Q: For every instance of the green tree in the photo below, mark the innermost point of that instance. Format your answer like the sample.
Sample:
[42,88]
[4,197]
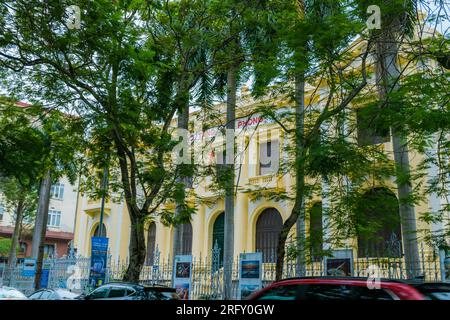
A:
[398,18]
[5,246]
[117,76]
[315,35]
[21,202]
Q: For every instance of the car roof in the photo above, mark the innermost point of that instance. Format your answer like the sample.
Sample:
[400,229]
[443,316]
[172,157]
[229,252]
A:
[124,284]
[338,278]
[9,288]
[155,287]
[349,278]
[65,293]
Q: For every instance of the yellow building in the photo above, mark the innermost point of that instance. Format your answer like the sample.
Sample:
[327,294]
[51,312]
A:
[257,221]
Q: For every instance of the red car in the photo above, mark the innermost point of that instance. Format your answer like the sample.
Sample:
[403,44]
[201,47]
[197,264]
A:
[337,288]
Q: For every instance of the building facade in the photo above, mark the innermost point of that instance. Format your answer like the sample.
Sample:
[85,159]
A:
[262,148]
[257,220]
[60,223]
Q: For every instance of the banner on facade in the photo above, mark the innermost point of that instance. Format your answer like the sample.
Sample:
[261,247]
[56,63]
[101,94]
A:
[340,264]
[182,275]
[99,261]
[29,267]
[250,273]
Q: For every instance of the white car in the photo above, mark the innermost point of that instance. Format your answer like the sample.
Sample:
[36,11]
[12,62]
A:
[53,294]
[8,293]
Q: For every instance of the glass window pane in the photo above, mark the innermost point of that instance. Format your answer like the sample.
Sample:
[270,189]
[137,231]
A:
[280,293]
[268,157]
[117,292]
[99,293]
[61,192]
[45,295]
[36,295]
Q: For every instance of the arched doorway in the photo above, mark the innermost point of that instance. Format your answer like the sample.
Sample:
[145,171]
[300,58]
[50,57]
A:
[151,243]
[268,229]
[185,247]
[378,224]
[316,231]
[219,236]
[97,231]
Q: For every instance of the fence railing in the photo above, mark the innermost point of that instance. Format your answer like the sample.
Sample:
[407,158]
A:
[207,278]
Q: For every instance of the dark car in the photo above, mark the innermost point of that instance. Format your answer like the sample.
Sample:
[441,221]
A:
[338,288]
[130,291]
[433,290]
[53,294]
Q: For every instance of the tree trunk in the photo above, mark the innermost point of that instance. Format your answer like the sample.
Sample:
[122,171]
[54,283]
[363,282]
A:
[297,214]
[387,78]
[300,181]
[40,226]
[16,234]
[183,123]
[136,249]
[15,240]
[228,250]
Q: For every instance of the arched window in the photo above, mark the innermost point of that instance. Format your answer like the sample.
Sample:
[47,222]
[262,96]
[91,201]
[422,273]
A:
[151,242]
[316,231]
[268,229]
[219,235]
[378,224]
[186,239]
[97,231]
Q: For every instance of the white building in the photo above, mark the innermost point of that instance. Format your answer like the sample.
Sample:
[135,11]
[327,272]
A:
[60,223]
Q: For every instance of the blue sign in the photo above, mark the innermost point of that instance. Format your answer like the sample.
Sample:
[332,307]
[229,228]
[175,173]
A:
[29,267]
[44,278]
[99,259]
[45,274]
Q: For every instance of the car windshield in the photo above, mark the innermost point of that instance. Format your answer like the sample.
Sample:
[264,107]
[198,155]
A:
[11,293]
[435,291]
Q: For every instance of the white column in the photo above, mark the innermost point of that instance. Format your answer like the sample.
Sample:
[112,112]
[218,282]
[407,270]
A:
[325,219]
[119,229]
[325,199]
[437,227]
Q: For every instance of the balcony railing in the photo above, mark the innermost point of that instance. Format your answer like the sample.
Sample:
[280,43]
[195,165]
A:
[93,207]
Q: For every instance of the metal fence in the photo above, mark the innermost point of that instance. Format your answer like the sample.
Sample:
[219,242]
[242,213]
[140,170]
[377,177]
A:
[207,274]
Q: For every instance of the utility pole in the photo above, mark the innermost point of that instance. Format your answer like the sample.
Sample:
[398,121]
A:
[105,182]
[72,249]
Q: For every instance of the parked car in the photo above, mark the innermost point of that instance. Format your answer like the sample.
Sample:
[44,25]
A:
[337,288]
[8,293]
[53,294]
[433,290]
[130,291]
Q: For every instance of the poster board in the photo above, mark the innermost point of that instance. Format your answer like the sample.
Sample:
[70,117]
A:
[340,264]
[250,274]
[99,261]
[45,274]
[182,276]
[29,267]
